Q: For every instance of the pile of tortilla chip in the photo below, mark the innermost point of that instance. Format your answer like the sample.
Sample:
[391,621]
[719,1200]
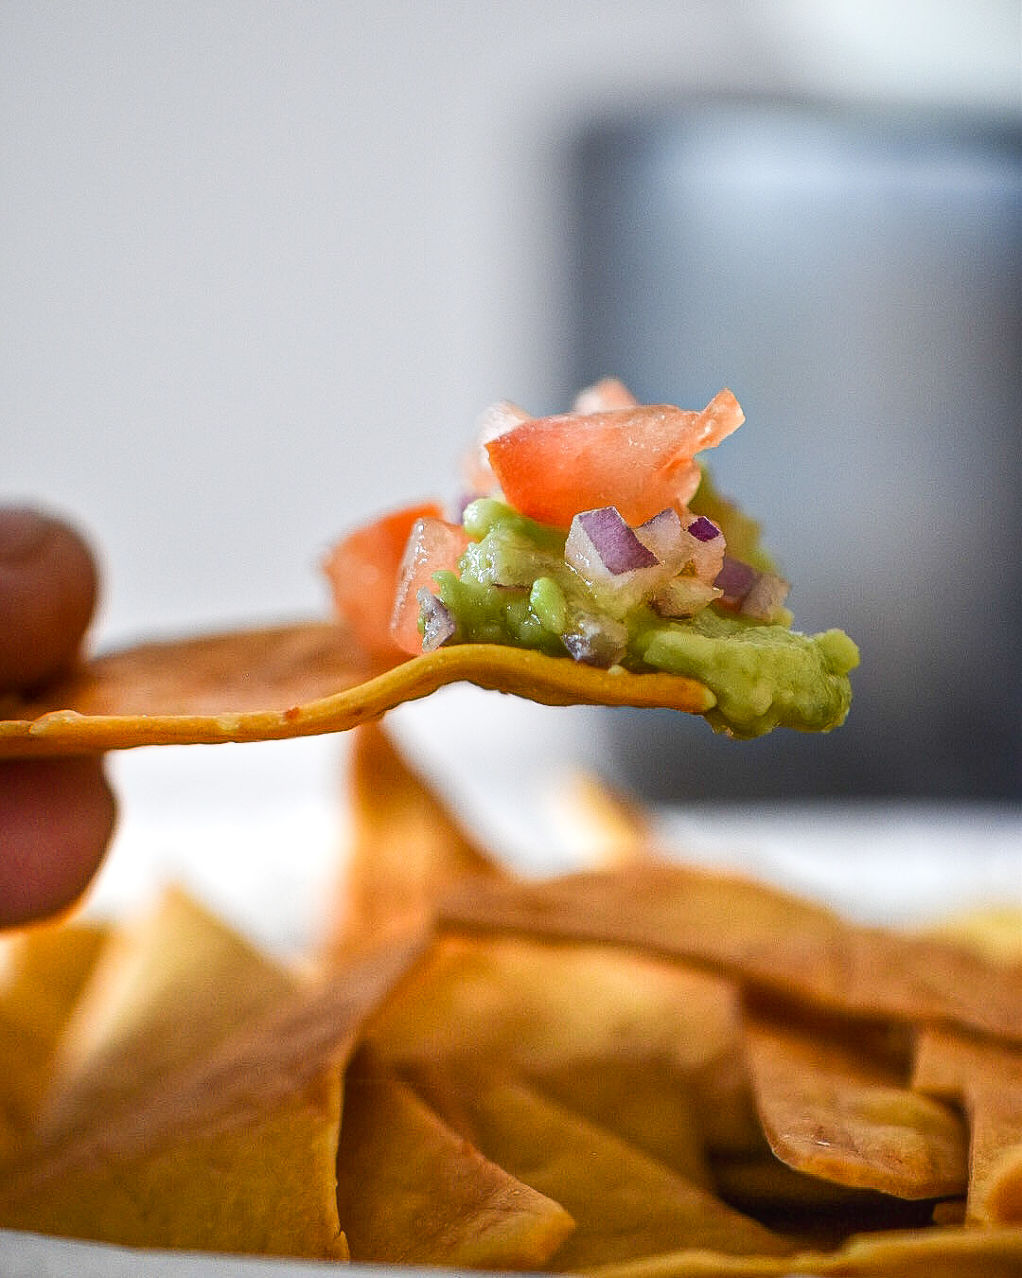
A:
[637,1069]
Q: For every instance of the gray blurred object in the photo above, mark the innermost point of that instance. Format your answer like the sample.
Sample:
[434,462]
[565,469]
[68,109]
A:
[855,279]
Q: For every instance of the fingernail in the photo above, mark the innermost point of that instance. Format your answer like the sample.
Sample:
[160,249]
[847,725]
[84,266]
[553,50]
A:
[22,532]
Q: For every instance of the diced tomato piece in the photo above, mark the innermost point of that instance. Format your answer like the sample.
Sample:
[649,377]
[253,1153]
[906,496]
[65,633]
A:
[433,545]
[638,459]
[363,570]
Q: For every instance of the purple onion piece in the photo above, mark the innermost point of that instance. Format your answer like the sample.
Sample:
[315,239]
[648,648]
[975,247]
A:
[736,579]
[703,529]
[613,541]
[596,642]
[437,620]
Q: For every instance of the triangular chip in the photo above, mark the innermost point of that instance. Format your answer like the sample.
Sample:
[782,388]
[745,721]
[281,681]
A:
[995,931]
[42,974]
[189,1166]
[293,681]
[986,1077]
[831,1110]
[406,847]
[411,1191]
[169,987]
[602,826]
[625,1203]
[767,938]
[919,1253]
[540,1007]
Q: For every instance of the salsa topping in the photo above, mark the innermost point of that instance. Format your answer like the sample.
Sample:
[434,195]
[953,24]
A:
[596,536]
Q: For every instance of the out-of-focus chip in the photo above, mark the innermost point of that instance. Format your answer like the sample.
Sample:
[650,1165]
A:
[168,988]
[293,681]
[987,1078]
[767,938]
[995,931]
[239,1155]
[41,976]
[601,826]
[625,1204]
[412,1191]
[406,847]
[508,1002]
[919,1253]
[833,1111]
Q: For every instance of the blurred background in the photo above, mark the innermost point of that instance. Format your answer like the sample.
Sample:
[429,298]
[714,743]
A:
[263,264]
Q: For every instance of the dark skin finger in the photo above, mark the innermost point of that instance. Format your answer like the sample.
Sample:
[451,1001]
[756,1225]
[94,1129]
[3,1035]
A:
[56,815]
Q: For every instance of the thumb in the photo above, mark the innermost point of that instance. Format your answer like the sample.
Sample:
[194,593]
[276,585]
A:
[56,815]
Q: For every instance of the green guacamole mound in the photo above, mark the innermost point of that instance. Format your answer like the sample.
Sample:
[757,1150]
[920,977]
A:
[514,587]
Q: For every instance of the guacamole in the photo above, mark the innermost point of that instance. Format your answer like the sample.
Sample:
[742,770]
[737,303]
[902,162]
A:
[513,586]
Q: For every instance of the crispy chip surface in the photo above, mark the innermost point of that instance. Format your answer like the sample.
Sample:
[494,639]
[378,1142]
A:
[290,681]
[239,1154]
[45,969]
[406,847]
[832,1110]
[625,1203]
[987,1078]
[412,1191]
[769,939]
[164,993]
[542,1007]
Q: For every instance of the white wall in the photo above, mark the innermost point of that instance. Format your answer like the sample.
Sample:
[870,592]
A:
[261,263]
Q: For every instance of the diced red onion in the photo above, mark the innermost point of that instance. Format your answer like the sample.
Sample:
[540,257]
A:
[610,558]
[684,597]
[664,536]
[752,593]
[735,579]
[703,529]
[438,621]
[596,641]
[766,597]
[616,544]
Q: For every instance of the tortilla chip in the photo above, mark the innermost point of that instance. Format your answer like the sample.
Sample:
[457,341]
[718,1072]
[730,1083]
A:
[602,826]
[986,1077]
[833,1111]
[406,847]
[44,970]
[625,1204]
[168,988]
[648,1103]
[768,939]
[995,931]
[931,1253]
[192,1165]
[541,1007]
[291,681]
[412,1191]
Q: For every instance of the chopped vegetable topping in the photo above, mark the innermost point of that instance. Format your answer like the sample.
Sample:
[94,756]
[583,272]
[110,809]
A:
[596,536]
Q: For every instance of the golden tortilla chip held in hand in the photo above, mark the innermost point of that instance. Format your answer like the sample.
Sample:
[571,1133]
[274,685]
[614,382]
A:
[291,681]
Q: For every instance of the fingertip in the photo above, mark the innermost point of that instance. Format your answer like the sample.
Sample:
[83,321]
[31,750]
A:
[48,589]
[56,820]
